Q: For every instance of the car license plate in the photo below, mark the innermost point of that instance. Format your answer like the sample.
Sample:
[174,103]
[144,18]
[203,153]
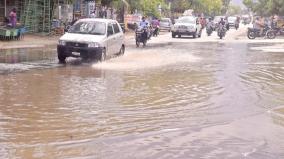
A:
[76,53]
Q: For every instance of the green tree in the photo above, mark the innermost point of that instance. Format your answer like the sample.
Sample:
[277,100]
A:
[265,7]
[234,10]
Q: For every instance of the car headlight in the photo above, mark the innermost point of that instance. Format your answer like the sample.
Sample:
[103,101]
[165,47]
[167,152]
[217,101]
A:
[94,44]
[61,42]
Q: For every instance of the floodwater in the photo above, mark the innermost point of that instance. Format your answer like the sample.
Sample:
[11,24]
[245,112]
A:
[182,100]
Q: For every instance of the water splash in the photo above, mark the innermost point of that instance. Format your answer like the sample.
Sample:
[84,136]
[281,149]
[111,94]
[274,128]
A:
[146,59]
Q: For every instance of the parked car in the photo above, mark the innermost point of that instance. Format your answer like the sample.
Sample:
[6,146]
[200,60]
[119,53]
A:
[232,21]
[188,25]
[92,39]
[166,24]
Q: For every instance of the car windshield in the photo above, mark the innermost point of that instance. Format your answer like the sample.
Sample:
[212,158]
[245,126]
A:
[89,27]
[186,20]
[164,20]
[232,19]
[217,19]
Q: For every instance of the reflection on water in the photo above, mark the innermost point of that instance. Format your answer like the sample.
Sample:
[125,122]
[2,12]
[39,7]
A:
[27,54]
[183,102]
[23,59]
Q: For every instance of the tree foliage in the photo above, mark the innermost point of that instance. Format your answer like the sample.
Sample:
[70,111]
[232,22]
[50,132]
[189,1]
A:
[234,10]
[151,7]
[265,7]
[209,7]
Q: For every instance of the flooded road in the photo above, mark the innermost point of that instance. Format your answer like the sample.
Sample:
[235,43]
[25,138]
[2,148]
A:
[178,100]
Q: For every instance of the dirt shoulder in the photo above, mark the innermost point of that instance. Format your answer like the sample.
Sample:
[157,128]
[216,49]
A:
[38,41]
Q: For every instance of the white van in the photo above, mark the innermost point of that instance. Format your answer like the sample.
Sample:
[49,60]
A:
[92,39]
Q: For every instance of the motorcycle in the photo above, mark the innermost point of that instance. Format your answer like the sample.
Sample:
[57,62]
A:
[278,31]
[209,30]
[156,31]
[237,25]
[141,36]
[267,32]
[221,31]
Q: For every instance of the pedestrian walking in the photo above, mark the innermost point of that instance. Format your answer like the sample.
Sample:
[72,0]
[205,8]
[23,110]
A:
[13,18]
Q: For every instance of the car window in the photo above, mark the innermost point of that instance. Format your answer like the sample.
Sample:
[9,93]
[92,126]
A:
[116,28]
[109,30]
[232,18]
[88,27]
[191,20]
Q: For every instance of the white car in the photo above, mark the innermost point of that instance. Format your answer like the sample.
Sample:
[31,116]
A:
[232,21]
[187,25]
[92,39]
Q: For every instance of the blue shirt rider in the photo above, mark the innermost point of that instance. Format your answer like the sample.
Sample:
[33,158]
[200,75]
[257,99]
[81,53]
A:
[143,23]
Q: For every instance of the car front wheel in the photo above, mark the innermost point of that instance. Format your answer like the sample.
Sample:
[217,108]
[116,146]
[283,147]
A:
[62,58]
[194,35]
[122,50]
[102,55]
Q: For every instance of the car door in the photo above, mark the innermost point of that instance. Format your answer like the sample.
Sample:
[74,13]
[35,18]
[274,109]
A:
[110,39]
[118,36]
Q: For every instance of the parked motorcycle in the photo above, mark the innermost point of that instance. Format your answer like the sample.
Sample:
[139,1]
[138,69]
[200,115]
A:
[141,36]
[221,31]
[267,32]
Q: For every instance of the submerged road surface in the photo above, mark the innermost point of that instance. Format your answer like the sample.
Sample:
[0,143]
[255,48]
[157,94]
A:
[176,98]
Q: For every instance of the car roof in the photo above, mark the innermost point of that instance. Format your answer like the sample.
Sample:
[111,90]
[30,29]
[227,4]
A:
[97,20]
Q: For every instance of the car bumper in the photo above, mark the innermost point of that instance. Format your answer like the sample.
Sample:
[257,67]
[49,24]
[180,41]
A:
[70,51]
[179,32]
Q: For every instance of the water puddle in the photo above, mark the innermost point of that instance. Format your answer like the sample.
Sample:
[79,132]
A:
[277,115]
[19,55]
[23,59]
[273,49]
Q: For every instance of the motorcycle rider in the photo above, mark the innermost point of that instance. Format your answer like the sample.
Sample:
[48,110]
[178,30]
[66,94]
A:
[222,26]
[222,22]
[258,25]
[227,23]
[144,25]
[210,24]
[237,22]
[156,26]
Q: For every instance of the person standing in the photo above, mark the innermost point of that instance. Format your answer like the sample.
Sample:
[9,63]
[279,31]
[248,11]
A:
[13,17]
